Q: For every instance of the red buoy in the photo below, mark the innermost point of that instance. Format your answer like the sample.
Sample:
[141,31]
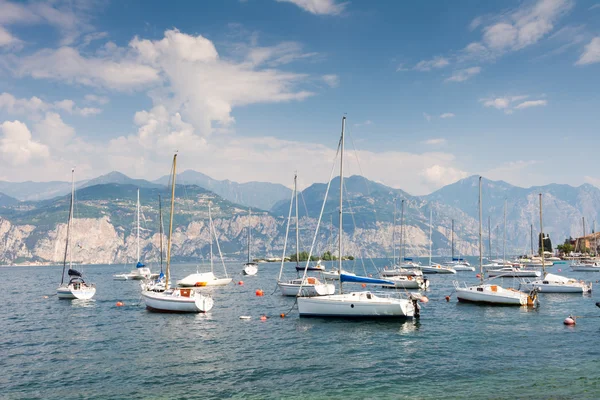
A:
[120,304]
[364,285]
[282,315]
[259,292]
[447,298]
[263,318]
[569,321]
[241,283]
[478,276]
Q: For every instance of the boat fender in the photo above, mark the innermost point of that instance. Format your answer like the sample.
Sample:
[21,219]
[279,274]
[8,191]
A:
[410,278]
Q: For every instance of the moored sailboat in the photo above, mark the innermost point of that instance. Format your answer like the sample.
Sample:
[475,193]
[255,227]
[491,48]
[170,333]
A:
[250,268]
[180,300]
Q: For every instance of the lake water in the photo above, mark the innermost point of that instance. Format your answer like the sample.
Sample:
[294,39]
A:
[76,349]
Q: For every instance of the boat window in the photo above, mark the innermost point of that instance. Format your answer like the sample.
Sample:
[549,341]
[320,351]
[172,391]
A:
[480,289]
[545,282]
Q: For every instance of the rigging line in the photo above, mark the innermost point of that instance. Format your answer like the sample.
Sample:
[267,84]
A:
[287,231]
[218,247]
[361,249]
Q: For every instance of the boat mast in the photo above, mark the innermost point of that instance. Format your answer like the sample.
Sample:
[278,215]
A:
[341,201]
[430,233]
[210,228]
[249,232]
[160,228]
[542,238]
[297,222]
[167,275]
[595,241]
[394,235]
[402,233]
[67,247]
[531,234]
[480,237]
[138,226]
[504,237]
[452,240]
[490,236]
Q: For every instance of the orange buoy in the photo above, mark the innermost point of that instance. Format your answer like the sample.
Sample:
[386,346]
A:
[282,315]
[478,276]
[241,283]
[447,298]
[424,299]
[263,318]
[364,285]
[120,304]
[259,292]
[569,321]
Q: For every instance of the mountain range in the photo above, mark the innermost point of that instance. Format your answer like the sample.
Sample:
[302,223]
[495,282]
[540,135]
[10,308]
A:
[34,230]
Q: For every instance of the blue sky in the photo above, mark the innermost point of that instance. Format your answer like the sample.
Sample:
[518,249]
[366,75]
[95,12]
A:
[254,90]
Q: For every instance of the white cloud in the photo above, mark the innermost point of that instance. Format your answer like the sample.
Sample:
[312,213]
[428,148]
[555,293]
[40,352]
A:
[439,175]
[319,7]
[273,56]
[331,80]
[366,123]
[447,115]
[507,103]
[17,147]
[32,107]
[428,65]
[511,171]
[594,7]
[401,67]
[53,131]
[463,74]
[427,117]
[92,98]
[531,103]
[7,40]
[591,54]
[435,142]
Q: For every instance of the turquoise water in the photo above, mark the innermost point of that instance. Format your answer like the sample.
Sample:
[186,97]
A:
[75,349]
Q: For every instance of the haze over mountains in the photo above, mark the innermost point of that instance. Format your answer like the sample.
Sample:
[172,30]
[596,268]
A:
[32,230]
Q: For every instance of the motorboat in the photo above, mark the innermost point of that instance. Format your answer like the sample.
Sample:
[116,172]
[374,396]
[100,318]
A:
[437,269]
[513,272]
[309,286]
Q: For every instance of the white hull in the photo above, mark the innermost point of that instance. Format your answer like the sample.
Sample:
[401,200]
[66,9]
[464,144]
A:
[70,292]
[356,305]
[494,295]
[294,288]
[401,272]
[513,273]
[202,280]
[437,269]
[137,274]
[407,282]
[461,267]
[585,268]
[178,301]
[250,269]
[557,284]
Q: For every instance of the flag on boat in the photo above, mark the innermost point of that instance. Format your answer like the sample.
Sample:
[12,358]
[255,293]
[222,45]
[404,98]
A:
[364,279]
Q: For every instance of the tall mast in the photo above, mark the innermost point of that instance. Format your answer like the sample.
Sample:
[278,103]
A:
[71,217]
[138,226]
[402,232]
[531,234]
[490,236]
[504,237]
[160,228]
[430,233]
[210,228]
[480,237]
[542,238]
[452,240]
[67,247]
[167,275]
[341,201]
[394,235]
[249,232]
[595,240]
[297,221]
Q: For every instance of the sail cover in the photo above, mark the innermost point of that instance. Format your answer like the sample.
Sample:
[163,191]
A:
[458,259]
[364,279]
[140,265]
[73,272]
[408,259]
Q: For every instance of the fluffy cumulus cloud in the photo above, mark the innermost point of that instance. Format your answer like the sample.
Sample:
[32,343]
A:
[33,106]
[510,103]
[319,7]
[591,53]
[331,80]
[436,175]
[17,147]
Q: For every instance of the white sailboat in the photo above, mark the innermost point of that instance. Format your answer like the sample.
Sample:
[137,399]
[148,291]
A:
[158,284]
[307,285]
[250,268]
[76,287]
[362,304]
[178,300]
[201,279]
[434,268]
[141,271]
[486,293]
[457,263]
[551,283]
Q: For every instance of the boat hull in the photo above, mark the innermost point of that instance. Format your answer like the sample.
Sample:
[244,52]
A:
[306,290]
[410,283]
[250,269]
[514,274]
[202,280]
[69,292]
[178,301]
[437,269]
[356,305]
[491,296]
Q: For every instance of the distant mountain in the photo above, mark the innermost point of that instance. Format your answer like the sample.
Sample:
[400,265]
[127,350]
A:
[117,177]
[262,195]
[34,190]
[7,200]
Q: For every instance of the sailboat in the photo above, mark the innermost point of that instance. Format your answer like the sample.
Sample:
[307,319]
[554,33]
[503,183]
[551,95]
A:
[406,268]
[307,285]
[457,263]
[176,299]
[158,284]
[201,279]
[434,268]
[141,271]
[250,268]
[363,304]
[486,293]
[551,283]
[76,287]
